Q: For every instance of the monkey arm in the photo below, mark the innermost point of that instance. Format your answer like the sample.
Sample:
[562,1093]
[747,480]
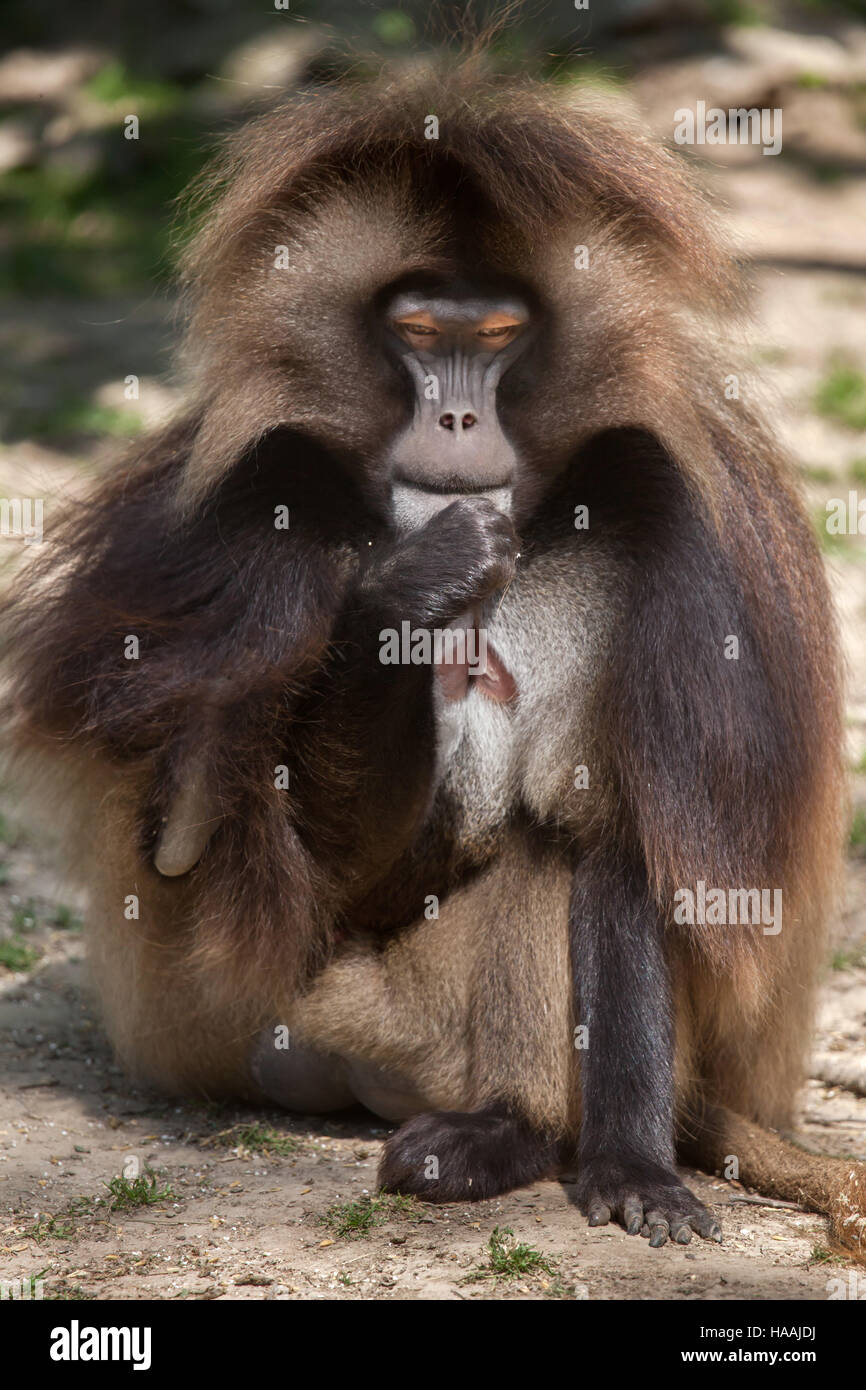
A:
[623,998]
[362,741]
[361,753]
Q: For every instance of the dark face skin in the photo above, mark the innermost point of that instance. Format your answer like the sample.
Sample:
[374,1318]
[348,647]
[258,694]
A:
[456,348]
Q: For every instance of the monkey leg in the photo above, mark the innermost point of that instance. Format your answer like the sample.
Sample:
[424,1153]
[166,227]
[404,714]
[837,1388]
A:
[298,1078]
[624,995]
[463,1023]
[301,1079]
[454,1156]
[171,1018]
[168,1021]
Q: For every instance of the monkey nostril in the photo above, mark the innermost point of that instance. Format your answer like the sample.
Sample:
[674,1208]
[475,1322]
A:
[469,420]
[447,421]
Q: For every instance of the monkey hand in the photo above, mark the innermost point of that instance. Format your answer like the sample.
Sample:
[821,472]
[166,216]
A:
[460,557]
[644,1197]
[478,1154]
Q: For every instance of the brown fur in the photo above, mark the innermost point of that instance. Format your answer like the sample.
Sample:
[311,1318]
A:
[477,1005]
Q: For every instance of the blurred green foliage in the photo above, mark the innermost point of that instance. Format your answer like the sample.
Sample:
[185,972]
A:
[104,225]
[841,395]
[113,85]
[74,420]
[394,27]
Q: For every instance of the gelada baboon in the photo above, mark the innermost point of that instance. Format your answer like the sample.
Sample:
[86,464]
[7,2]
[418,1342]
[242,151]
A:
[452,380]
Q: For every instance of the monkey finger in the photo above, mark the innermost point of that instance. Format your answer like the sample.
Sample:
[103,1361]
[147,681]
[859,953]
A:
[681,1231]
[598,1214]
[632,1214]
[705,1224]
[659,1228]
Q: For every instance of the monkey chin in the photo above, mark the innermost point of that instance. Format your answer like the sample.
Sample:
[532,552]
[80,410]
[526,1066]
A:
[414,506]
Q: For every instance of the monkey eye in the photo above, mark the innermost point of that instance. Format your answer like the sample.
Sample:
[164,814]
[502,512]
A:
[413,330]
[498,332]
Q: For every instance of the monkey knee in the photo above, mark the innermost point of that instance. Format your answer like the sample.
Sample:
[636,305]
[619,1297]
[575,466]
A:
[297,1078]
[388,1094]
[300,1078]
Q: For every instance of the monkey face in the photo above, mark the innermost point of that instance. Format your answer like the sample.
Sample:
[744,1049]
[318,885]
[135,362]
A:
[455,346]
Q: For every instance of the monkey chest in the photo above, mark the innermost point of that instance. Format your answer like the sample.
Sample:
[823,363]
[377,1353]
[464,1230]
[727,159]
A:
[551,634]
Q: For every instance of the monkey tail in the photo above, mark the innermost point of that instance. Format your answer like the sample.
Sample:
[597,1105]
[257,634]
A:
[833,1187]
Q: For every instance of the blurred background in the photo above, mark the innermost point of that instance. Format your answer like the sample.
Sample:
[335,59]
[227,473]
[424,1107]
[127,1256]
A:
[87,226]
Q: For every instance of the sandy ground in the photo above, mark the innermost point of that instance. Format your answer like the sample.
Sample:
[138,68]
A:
[244,1222]
[239,1223]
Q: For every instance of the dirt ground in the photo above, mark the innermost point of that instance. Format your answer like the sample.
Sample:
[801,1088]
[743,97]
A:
[242,1223]
[250,1202]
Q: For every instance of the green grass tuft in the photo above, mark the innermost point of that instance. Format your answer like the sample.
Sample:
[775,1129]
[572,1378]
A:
[258,1139]
[143,1191]
[850,958]
[357,1219]
[508,1258]
[24,916]
[17,956]
[65,918]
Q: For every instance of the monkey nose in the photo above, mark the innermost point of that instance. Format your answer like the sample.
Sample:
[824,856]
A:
[448,421]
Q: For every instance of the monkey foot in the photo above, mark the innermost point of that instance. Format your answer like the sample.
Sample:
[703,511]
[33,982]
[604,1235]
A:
[645,1198]
[452,1156]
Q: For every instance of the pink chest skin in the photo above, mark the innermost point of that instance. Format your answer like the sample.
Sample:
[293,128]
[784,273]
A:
[457,678]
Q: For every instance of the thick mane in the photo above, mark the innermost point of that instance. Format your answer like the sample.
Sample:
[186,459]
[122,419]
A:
[345,185]
[540,157]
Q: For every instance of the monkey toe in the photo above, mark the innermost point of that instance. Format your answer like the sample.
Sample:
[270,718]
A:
[645,1199]
[452,1156]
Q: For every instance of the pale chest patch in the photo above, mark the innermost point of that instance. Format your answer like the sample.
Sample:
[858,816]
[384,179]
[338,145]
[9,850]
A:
[550,635]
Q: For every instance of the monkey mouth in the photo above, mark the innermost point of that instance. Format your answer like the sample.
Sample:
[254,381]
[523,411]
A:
[414,504]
